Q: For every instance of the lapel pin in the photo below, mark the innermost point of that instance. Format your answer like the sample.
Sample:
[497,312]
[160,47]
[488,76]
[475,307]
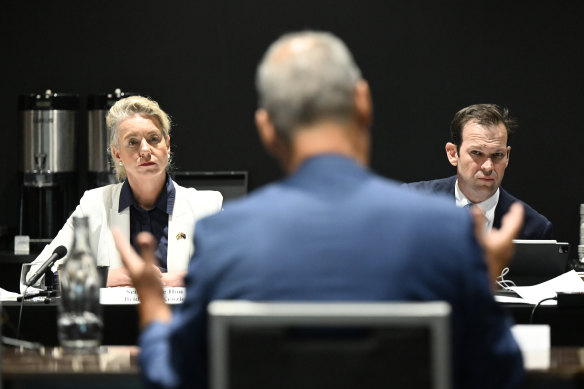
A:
[181,235]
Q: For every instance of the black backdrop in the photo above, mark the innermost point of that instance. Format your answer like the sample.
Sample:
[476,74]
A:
[423,59]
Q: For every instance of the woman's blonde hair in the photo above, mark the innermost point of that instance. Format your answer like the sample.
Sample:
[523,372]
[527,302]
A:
[126,108]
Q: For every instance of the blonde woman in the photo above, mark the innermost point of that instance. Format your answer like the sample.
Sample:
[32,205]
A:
[146,199]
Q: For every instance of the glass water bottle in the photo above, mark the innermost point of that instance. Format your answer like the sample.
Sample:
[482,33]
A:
[80,322]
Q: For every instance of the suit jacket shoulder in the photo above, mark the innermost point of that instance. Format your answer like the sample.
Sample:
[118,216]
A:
[95,204]
[535,225]
[442,185]
[199,202]
[190,205]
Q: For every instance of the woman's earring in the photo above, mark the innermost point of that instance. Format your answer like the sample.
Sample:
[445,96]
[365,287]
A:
[120,163]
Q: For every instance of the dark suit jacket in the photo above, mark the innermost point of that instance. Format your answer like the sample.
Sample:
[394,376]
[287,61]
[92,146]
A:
[333,231]
[535,225]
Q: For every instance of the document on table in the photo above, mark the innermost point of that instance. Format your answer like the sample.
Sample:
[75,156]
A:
[32,294]
[8,296]
[567,282]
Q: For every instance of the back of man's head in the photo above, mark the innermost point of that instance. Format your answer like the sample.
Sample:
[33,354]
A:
[305,77]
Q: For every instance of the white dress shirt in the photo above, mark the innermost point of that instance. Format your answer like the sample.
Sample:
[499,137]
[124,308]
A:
[487,207]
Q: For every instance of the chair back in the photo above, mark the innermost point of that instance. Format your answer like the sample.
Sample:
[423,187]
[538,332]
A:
[307,345]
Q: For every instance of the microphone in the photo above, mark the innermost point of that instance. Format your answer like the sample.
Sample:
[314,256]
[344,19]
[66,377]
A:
[58,253]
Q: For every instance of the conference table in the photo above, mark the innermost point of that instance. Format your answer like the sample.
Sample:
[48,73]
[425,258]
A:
[117,362]
[566,323]
[117,366]
[109,367]
[39,322]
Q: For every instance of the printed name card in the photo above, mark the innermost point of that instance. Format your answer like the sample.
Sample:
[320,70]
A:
[125,295]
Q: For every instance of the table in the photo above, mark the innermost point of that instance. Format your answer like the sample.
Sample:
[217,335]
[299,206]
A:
[566,370]
[39,323]
[566,324]
[117,366]
[111,366]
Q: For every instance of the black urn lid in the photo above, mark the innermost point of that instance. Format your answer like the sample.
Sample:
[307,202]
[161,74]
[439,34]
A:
[48,101]
[106,100]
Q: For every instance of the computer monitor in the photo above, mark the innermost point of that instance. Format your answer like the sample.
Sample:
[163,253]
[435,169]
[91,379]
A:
[320,345]
[536,261]
[231,184]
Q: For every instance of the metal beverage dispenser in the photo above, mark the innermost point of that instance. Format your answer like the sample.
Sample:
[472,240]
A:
[48,166]
[100,164]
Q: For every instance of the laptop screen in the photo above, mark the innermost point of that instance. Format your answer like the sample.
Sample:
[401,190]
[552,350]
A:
[536,261]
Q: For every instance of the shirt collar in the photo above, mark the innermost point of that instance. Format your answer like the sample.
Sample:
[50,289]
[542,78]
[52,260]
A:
[164,202]
[487,206]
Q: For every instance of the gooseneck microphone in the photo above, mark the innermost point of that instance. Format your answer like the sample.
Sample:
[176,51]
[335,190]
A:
[58,253]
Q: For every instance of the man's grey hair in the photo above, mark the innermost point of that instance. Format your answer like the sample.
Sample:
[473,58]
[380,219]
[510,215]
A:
[301,88]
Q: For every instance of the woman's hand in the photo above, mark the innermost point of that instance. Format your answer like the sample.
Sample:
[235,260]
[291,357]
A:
[175,278]
[145,275]
[119,276]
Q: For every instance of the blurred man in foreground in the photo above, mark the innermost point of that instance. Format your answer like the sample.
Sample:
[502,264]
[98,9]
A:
[330,231]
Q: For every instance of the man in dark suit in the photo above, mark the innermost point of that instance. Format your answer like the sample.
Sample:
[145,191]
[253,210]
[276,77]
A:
[479,149]
[331,231]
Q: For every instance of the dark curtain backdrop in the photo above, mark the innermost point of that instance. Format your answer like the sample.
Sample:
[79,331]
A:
[423,59]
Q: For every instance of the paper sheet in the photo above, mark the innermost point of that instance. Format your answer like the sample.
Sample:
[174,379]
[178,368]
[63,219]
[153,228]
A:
[8,296]
[567,282]
[512,300]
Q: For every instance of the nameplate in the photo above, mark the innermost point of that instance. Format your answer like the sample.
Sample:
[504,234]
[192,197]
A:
[129,296]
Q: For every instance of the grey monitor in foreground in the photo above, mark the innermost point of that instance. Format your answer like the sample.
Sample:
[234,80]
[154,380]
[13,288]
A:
[329,345]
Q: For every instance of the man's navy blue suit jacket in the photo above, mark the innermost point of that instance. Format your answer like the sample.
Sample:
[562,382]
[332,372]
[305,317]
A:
[535,225]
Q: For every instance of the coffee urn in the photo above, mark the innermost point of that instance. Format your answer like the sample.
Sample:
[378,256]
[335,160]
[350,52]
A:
[100,164]
[48,167]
